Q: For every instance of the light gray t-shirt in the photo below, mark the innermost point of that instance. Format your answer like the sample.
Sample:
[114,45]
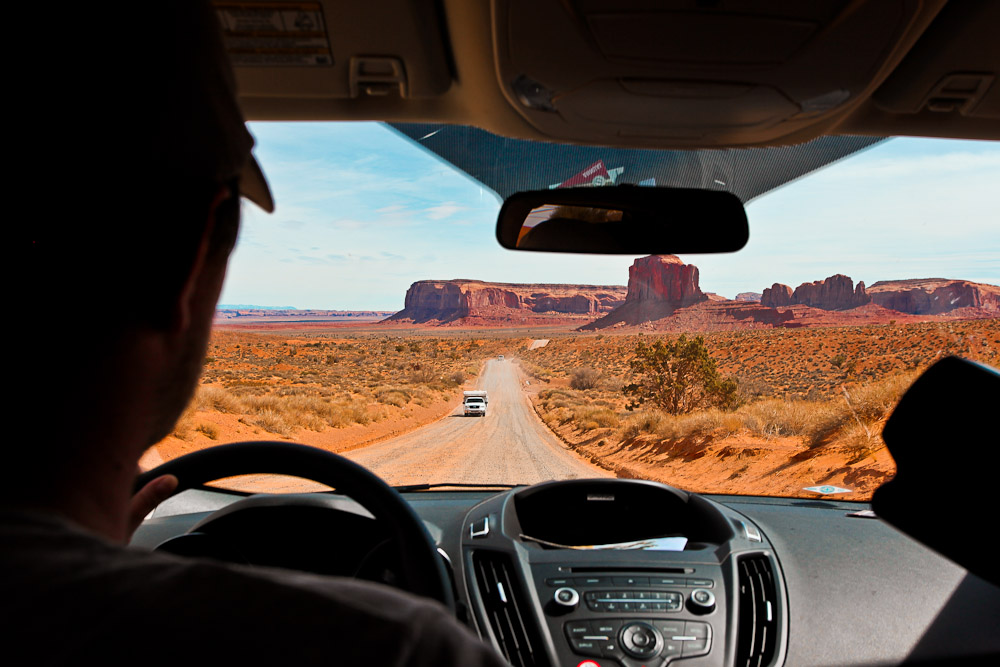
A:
[66,595]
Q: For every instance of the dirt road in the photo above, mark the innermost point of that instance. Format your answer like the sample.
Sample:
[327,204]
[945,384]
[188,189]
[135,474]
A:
[509,445]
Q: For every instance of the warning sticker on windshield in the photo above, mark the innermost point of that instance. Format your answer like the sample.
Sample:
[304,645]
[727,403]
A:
[287,34]
[826,489]
[595,175]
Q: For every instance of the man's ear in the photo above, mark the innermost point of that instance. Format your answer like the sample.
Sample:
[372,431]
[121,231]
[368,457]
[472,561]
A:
[190,290]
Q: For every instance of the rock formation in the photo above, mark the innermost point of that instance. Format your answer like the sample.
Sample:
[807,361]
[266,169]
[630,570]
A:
[776,295]
[657,286]
[446,301]
[663,279]
[932,296]
[835,293]
[663,294]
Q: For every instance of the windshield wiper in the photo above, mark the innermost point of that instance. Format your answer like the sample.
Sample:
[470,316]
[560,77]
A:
[461,485]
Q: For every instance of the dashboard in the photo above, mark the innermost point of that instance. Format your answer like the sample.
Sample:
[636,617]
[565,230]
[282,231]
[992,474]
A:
[728,580]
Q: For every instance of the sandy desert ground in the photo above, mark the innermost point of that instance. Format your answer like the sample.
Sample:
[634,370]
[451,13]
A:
[814,401]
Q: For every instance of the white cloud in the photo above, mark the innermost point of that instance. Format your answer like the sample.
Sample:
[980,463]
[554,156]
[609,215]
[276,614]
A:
[443,211]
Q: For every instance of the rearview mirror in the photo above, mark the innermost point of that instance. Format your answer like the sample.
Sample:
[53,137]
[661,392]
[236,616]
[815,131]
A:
[623,220]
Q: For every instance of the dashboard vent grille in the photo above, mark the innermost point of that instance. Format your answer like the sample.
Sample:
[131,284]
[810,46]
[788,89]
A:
[506,607]
[757,638]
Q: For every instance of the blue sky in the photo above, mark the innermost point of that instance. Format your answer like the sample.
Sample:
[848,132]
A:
[362,213]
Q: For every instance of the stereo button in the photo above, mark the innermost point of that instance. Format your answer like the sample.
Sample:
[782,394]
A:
[592,581]
[666,581]
[586,647]
[699,640]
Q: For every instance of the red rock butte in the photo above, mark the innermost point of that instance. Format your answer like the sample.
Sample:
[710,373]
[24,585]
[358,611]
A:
[473,302]
[658,285]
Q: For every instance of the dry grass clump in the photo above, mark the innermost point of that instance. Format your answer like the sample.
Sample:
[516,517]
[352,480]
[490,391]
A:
[210,431]
[772,418]
[271,421]
[219,399]
[564,406]
[392,396]
[853,420]
[590,418]
[401,396]
[678,427]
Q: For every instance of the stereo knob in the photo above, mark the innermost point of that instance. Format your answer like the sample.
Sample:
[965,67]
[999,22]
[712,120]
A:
[702,601]
[566,597]
[641,640]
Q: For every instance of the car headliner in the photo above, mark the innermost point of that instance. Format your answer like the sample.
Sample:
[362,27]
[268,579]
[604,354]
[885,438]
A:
[458,58]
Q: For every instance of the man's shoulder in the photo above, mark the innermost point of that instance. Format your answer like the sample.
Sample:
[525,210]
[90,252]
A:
[101,593]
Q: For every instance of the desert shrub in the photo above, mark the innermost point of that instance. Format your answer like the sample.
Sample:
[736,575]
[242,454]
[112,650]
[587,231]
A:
[678,377]
[584,377]
[423,375]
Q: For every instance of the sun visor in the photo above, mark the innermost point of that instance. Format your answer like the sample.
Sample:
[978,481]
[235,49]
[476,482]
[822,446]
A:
[335,50]
[678,74]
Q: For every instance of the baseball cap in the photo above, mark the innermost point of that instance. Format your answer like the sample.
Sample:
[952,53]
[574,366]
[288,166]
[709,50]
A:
[199,129]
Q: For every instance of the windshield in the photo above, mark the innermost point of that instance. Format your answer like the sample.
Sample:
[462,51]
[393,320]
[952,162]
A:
[375,303]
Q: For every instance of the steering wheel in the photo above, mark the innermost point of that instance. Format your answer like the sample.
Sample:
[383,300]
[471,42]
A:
[423,573]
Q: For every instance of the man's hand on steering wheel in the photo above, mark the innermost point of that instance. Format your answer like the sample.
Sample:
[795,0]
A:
[146,500]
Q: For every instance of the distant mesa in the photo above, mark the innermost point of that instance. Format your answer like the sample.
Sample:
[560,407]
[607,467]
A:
[663,294]
[231,314]
[933,296]
[473,302]
[835,293]
[246,306]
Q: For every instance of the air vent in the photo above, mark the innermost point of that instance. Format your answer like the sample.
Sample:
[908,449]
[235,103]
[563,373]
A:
[506,608]
[757,641]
